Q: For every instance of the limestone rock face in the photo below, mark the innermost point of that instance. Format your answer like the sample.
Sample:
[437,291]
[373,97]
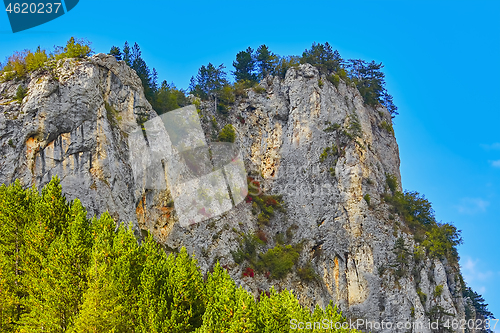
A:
[73,123]
[315,143]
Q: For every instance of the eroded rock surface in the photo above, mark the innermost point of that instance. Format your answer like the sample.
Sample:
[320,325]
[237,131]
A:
[75,121]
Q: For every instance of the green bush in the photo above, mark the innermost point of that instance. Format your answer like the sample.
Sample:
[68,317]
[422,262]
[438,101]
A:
[278,260]
[21,93]
[263,219]
[387,126]
[36,60]
[422,296]
[324,154]
[307,273]
[227,134]
[21,63]
[248,248]
[439,239]
[367,198]
[259,89]
[335,79]
[438,291]
[320,83]
[331,127]
[391,181]
[75,48]
[442,240]
[354,129]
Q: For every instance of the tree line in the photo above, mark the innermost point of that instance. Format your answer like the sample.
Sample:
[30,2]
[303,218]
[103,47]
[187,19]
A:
[63,272]
[211,81]
[250,67]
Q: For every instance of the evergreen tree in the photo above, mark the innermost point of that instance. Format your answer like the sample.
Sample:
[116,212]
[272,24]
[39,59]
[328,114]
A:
[115,51]
[245,66]
[62,280]
[265,61]
[221,290]
[323,57]
[110,302]
[14,214]
[127,57]
[209,81]
[186,294]
[153,298]
[277,310]
[244,314]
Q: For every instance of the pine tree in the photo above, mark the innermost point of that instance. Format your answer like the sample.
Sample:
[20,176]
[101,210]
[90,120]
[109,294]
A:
[221,302]
[245,66]
[62,280]
[115,51]
[244,318]
[209,81]
[186,294]
[127,57]
[153,298]
[14,214]
[265,61]
[276,310]
[110,302]
[323,57]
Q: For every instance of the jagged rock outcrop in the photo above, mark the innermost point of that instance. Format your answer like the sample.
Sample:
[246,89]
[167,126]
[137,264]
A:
[75,121]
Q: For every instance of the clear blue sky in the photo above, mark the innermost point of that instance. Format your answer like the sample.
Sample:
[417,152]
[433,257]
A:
[441,61]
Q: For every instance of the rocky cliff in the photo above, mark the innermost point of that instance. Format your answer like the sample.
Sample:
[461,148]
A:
[302,137]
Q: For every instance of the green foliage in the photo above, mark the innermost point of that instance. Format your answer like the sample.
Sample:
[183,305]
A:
[245,66]
[439,239]
[61,272]
[438,291]
[168,98]
[259,89]
[422,296]
[331,127]
[265,61]
[333,150]
[278,260]
[115,52]
[75,48]
[392,182]
[324,154]
[367,198]
[402,257]
[285,63]
[21,93]
[442,241]
[227,134]
[354,129]
[11,143]
[307,273]
[387,127]
[477,302]
[320,83]
[36,60]
[209,81]
[247,249]
[334,78]
[323,57]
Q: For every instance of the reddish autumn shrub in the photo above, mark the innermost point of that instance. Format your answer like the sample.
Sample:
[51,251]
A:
[262,235]
[270,201]
[248,272]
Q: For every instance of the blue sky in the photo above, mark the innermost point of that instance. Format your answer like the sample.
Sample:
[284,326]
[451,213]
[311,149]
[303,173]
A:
[441,63]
